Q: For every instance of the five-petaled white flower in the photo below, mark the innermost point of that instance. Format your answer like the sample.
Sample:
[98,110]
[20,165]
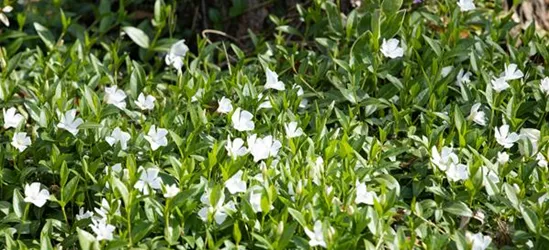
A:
[292,130]
[478,241]
[102,230]
[69,122]
[544,85]
[35,195]
[242,120]
[316,236]
[118,135]
[235,148]
[20,141]
[512,73]
[148,178]
[463,77]
[466,5]
[504,138]
[11,118]
[444,159]
[390,48]
[219,210]
[157,137]
[235,184]
[479,117]
[83,214]
[503,158]
[224,105]
[272,80]
[500,84]
[145,102]
[262,148]
[363,195]
[457,172]
[171,191]
[176,54]
[115,96]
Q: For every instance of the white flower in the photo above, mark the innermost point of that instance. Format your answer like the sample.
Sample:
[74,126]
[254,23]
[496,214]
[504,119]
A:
[466,5]
[235,148]
[444,159]
[69,123]
[11,118]
[544,85]
[457,172]
[145,102]
[115,96]
[35,195]
[219,211]
[118,135]
[242,120]
[148,178]
[503,158]
[363,195]
[235,184]
[176,54]
[478,241]
[504,138]
[499,84]
[390,48]
[262,148]
[511,72]
[171,191]
[157,137]
[102,230]
[316,236]
[198,95]
[542,162]
[444,72]
[463,77]
[20,141]
[83,214]
[272,80]
[225,105]
[479,117]
[292,130]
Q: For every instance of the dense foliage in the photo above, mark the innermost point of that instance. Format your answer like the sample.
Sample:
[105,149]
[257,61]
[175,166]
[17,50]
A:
[415,125]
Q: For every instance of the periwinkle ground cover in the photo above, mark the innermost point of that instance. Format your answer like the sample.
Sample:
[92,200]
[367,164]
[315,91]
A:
[397,125]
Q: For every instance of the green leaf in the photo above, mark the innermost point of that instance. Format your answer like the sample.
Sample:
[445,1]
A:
[18,203]
[45,34]
[86,240]
[390,7]
[458,208]
[70,189]
[138,36]
[298,217]
[530,218]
